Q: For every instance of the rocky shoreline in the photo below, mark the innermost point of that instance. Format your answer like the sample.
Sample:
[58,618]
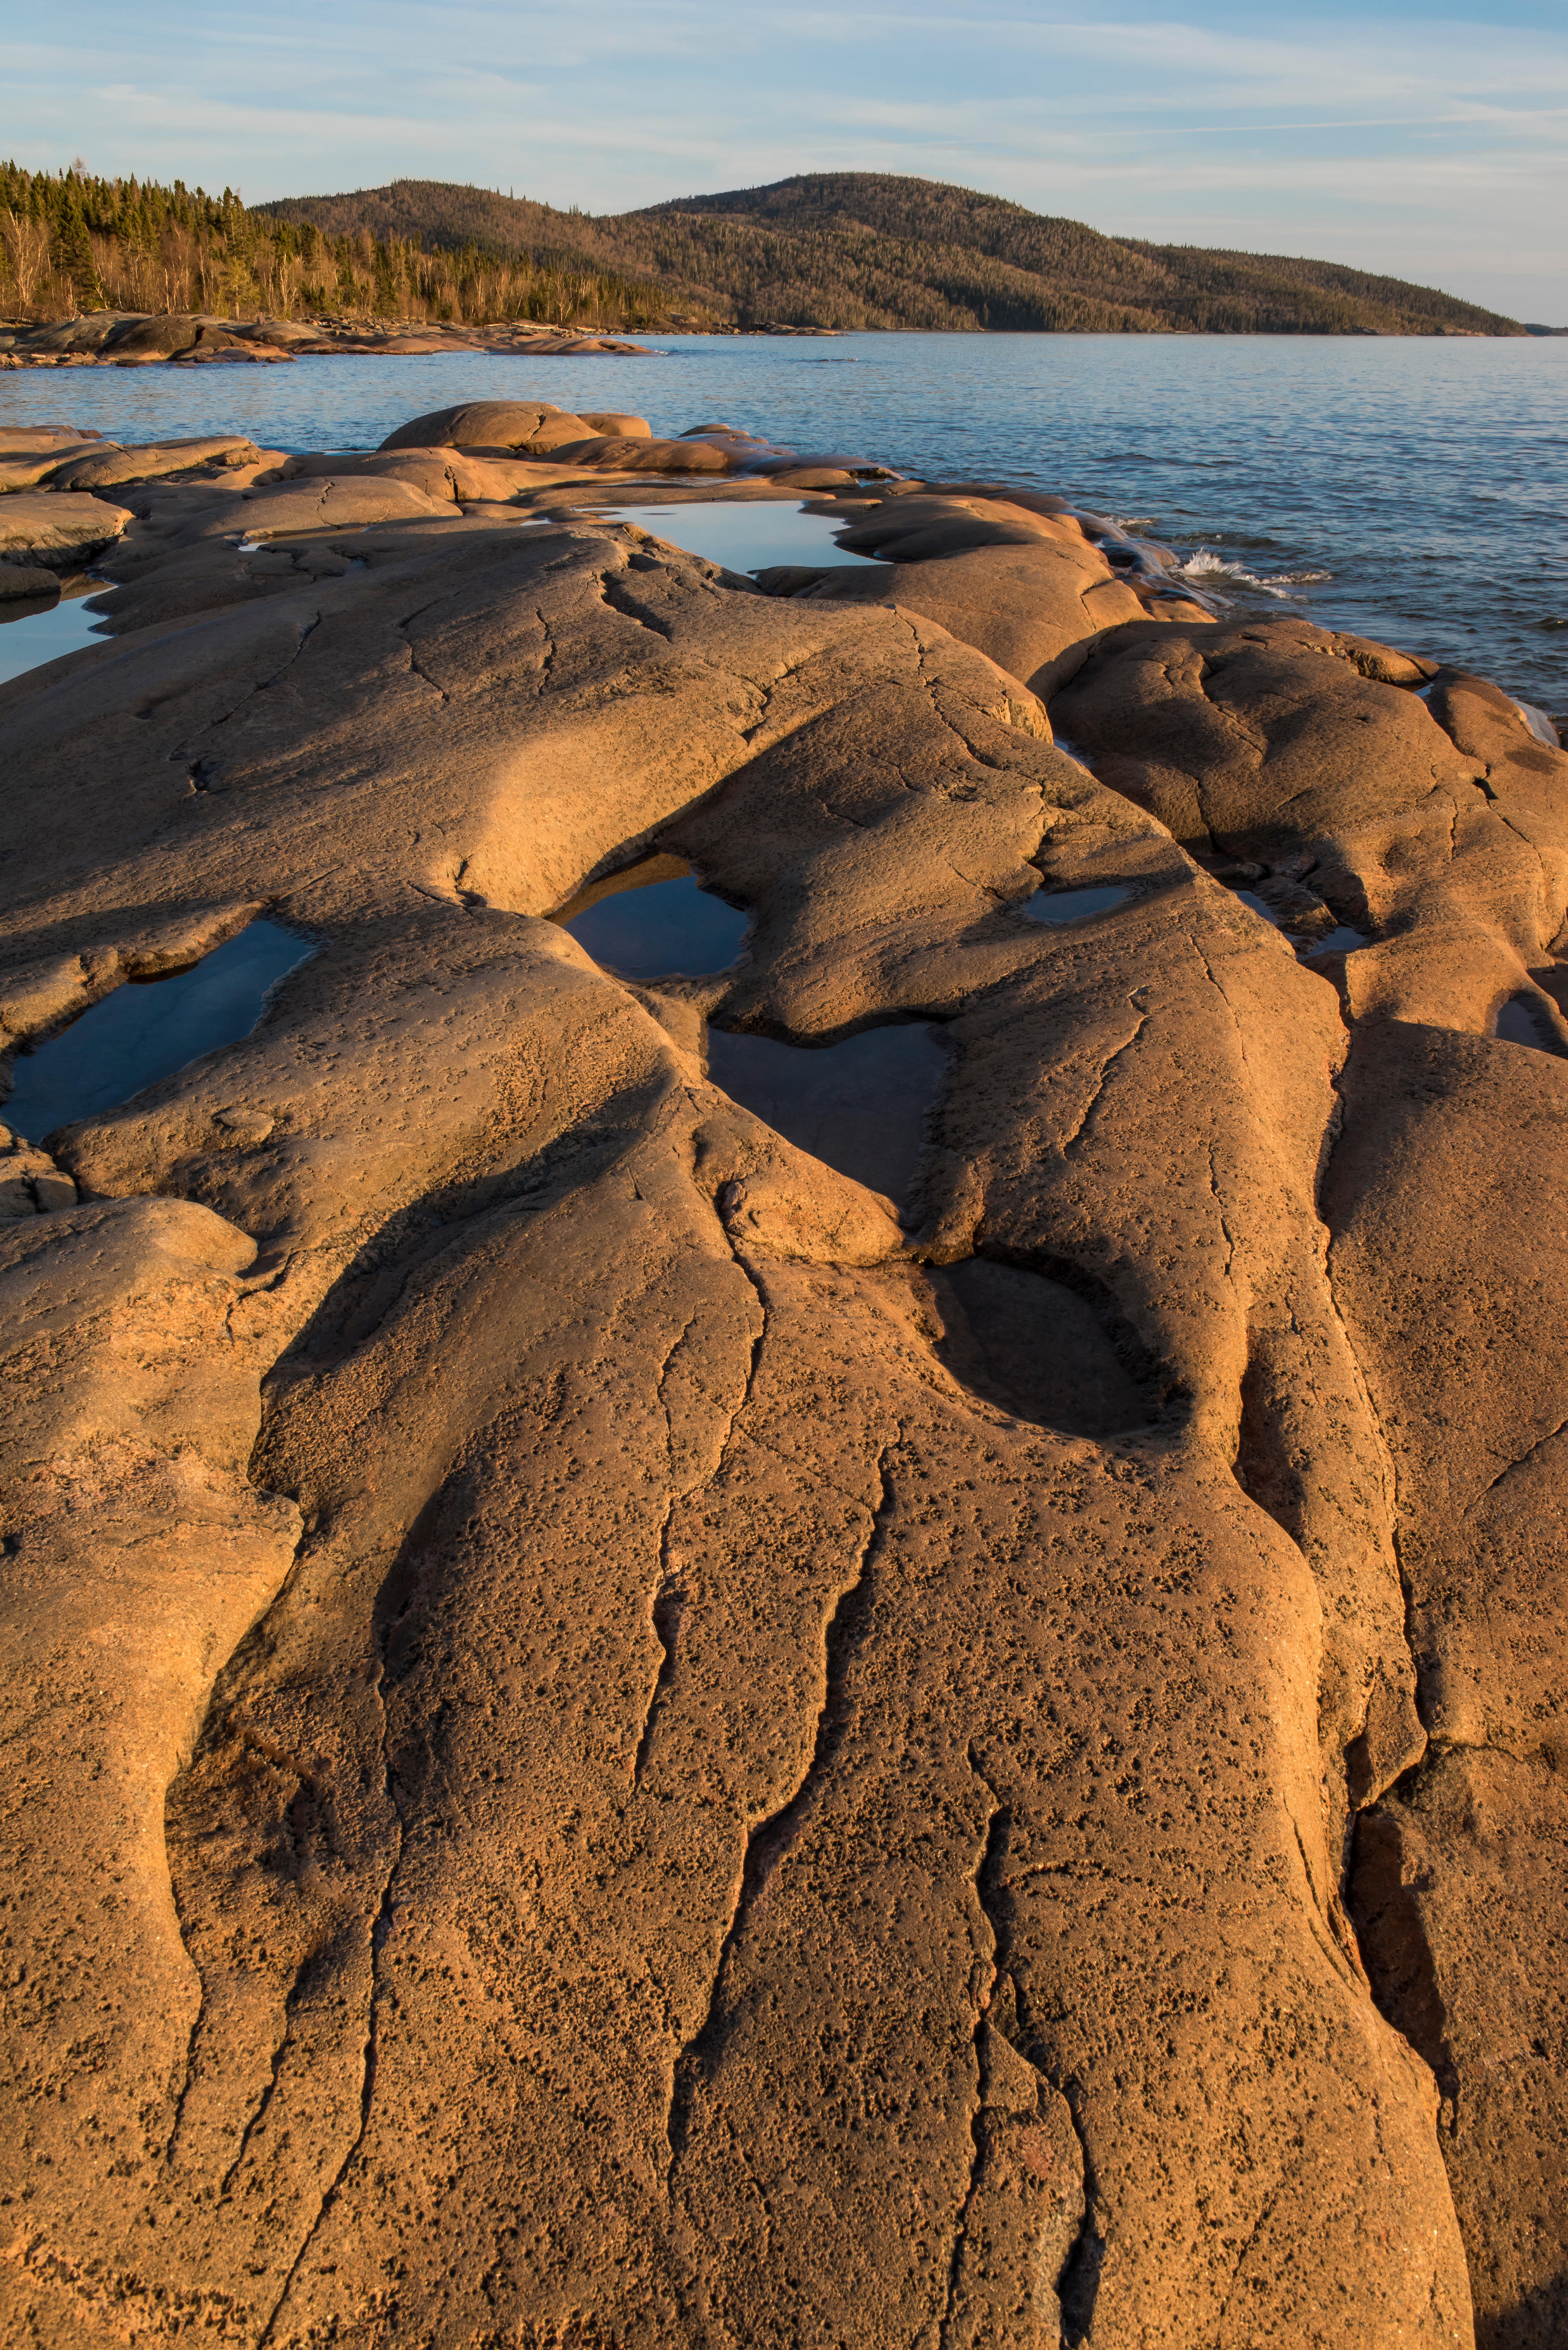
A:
[192,339]
[619,1733]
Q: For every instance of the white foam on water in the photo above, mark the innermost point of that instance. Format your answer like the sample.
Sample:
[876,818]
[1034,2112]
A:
[1205,564]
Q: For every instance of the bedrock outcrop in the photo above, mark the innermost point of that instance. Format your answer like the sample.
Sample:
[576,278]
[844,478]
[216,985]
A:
[618,1737]
[193,338]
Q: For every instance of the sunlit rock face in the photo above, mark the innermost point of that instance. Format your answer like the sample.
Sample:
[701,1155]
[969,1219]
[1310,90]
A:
[822,1608]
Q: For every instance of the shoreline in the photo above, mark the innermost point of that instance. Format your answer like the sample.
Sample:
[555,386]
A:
[139,338]
[1230,584]
[194,339]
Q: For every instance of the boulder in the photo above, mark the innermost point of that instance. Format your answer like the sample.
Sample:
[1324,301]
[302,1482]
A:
[451,473]
[88,334]
[427,469]
[337,500]
[916,528]
[216,345]
[1282,744]
[57,531]
[623,453]
[19,581]
[24,470]
[161,337]
[106,469]
[489,423]
[20,440]
[1034,606]
[611,421]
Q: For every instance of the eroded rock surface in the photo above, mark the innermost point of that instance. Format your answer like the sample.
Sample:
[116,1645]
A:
[619,1738]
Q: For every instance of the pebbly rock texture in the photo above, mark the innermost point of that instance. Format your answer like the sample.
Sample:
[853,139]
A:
[620,1736]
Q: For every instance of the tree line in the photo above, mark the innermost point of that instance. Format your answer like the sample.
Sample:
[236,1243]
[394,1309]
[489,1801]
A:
[843,250]
[71,242]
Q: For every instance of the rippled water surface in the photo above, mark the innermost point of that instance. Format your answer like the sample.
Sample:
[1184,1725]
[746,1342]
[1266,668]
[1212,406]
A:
[1416,489]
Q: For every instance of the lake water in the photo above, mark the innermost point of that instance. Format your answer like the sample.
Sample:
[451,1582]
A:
[1416,489]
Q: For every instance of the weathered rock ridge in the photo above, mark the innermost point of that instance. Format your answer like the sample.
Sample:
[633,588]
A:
[617,1738]
[193,339]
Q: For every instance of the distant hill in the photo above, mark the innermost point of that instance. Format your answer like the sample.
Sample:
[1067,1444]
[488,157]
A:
[858,249]
[823,249]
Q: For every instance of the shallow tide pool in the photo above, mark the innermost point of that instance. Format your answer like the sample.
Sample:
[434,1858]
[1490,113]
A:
[859,1106]
[149,1028]
[43,634]
[746,534]
[655,920]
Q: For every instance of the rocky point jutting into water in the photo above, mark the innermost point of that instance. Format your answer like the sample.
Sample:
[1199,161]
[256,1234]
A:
[854,1642]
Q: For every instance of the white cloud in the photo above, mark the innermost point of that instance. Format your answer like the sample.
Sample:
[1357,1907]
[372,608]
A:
[1392,138]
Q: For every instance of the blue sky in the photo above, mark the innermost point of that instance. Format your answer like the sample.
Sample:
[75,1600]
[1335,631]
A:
[1385,135]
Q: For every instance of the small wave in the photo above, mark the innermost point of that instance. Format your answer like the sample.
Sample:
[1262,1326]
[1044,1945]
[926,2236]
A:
[1205,564]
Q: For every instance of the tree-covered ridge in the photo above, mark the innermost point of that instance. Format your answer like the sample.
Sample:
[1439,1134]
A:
[855,249]
[71,242]
[871,249]
[1032,270]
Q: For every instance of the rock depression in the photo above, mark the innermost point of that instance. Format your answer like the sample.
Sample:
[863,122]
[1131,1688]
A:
[617,1738]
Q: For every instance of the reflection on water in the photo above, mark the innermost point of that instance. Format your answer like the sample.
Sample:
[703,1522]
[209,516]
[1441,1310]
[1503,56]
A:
[1032,1346]
[654,920]
[859,1106]
[1074,905]
[31,634]
[147,1029]
[743,534]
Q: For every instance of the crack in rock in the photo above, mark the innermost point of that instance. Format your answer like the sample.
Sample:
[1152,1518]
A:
[769,1839]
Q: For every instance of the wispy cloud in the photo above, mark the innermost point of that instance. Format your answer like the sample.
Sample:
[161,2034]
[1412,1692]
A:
[1384,134]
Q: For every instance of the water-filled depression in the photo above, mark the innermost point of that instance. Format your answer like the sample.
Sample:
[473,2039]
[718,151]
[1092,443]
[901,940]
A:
[654,920]
[32,634]
[859,1106]
[149,1028]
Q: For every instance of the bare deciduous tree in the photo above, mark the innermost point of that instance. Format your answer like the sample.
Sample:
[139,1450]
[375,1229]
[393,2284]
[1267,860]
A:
[27,243]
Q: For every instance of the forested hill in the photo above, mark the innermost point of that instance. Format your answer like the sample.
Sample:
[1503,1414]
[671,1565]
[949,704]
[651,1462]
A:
[868,249]
[825,249]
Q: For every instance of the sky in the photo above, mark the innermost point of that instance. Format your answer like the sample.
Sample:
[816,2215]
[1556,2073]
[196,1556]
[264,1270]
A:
[1428,145]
